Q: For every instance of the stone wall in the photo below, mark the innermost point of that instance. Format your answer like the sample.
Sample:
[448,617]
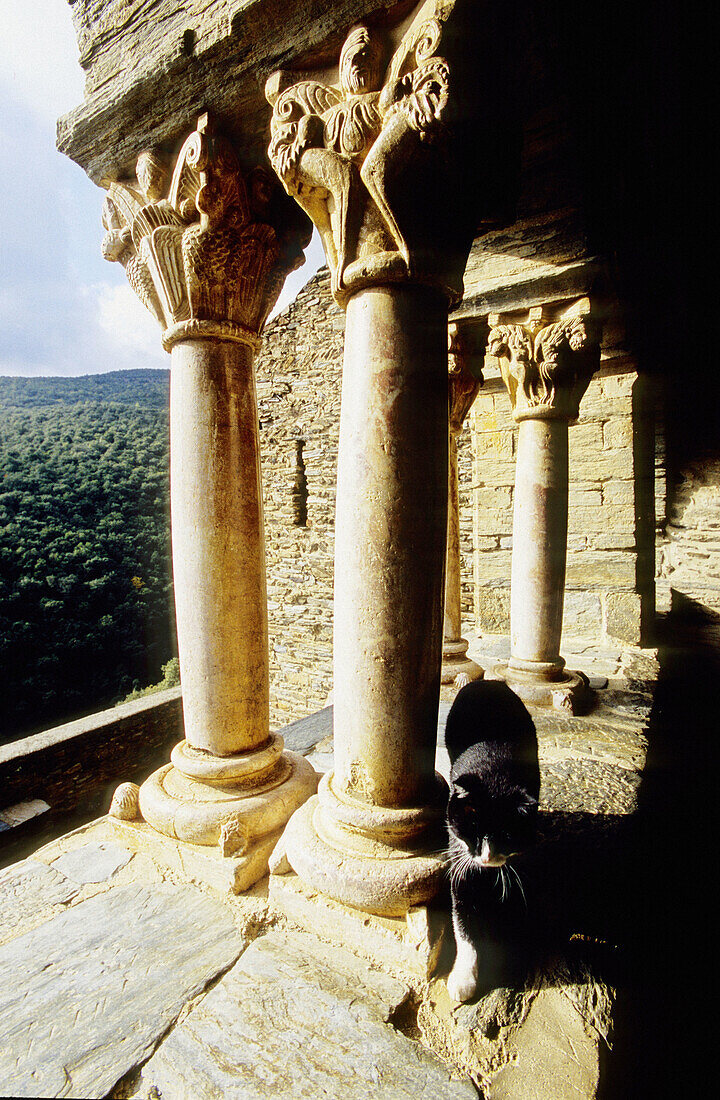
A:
[76,766]
[611,523]
[299,379]
[613,483]
[689,555]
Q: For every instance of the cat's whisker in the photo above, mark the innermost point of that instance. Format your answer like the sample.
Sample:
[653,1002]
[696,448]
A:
[519,882]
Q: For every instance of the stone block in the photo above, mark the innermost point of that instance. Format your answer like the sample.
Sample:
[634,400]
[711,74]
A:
[491,521]
[486,542]
[623,616]
[584,494]
[600,569]
[618,432]
[617,492]
[618,385]
[582,613]
[493,569]
[490,498]
[584,442]
[607,540]
[492,413]
[23,811]
[590,518]
[539,1043]
[400,945]
[493,610]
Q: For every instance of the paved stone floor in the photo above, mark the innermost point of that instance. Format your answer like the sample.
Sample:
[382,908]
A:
[120,977]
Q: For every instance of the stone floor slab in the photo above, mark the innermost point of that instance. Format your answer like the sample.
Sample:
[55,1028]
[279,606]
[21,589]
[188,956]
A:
[28,891]
[286,1021]
[94,862]
[85,997]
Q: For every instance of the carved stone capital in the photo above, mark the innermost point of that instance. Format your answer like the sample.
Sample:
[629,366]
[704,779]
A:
[547,364]
[367,156]
[205,253]
[466,349]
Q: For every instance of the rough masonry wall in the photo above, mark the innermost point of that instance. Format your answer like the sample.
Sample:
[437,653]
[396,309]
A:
[299,379]
[689,555]
[610,588]
[611,529]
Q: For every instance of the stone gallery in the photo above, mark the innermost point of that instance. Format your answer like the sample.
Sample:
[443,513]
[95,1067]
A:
[458,454]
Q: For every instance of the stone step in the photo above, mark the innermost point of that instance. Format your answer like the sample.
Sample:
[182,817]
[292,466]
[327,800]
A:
[298,1018]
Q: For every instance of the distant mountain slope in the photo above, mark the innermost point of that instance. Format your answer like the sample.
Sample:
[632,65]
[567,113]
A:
[86,605]
[126,387]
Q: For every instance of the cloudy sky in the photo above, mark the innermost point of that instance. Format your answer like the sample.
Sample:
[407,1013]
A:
[63,309]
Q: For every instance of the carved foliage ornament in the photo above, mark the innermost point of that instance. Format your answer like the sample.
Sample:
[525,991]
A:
[344,151]
[546,367]
[198,253]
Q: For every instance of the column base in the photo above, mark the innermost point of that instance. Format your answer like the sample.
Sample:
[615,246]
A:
[410,944]
[382,861]
[569,691]
[198,863]
[457,667]
[237,811]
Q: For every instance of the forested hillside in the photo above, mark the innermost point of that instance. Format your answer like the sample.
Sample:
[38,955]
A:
[85,579]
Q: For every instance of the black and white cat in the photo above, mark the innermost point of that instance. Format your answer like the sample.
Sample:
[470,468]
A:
[491,816]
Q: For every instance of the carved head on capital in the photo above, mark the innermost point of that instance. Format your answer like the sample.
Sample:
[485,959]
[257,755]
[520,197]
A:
[361,62]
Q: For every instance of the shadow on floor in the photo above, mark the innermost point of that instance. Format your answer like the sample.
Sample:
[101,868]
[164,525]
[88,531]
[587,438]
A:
[628,900]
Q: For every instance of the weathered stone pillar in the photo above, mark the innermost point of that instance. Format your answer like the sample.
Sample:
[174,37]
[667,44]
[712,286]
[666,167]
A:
[371,163]
[465,379]
[546,368]
[210,268]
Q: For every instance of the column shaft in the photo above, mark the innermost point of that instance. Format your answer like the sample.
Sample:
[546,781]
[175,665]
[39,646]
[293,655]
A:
[539,542]
[218,546]
[390,542]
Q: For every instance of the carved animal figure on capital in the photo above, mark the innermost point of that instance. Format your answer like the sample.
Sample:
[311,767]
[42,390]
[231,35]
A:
[340,149]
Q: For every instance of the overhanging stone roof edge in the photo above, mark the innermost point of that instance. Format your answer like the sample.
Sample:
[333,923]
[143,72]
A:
[123,116]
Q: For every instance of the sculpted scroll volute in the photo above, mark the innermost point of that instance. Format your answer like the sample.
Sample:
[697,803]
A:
[201,254]
[355,154]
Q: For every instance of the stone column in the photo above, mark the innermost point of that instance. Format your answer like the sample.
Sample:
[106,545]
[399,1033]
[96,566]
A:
[208,265]
[372,164]
[465,379]
[546,368]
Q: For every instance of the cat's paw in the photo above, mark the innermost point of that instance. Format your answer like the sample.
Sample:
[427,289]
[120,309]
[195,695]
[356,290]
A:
[462,983]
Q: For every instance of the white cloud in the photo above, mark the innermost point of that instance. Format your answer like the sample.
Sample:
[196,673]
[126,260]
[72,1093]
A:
[124,318]
[314,259]
[40,66]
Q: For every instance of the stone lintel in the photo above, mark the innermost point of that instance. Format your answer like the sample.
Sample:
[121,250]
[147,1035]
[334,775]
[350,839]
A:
[405,946]
[554,286]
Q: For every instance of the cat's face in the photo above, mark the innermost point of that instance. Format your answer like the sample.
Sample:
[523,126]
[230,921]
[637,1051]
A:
[492,825]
